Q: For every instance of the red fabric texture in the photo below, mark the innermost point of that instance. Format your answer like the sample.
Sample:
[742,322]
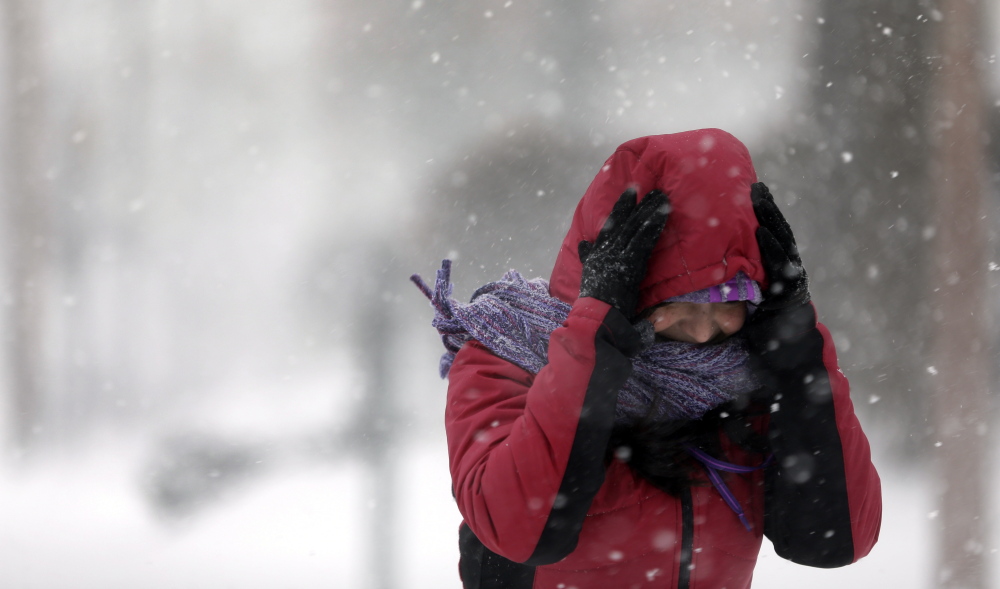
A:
[509,437]
[709,235]
[510,433]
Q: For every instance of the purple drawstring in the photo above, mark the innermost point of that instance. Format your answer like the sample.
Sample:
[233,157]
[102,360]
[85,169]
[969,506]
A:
[713,466]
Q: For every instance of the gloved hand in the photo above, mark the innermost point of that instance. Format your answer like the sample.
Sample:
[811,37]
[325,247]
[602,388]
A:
[615,264]
[786,313]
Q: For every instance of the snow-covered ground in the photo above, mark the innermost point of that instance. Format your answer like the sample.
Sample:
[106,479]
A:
[81,521]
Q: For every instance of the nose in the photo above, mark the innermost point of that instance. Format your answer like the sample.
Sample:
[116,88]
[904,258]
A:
[701,327]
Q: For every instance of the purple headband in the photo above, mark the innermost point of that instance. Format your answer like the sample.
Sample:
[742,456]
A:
[737,288]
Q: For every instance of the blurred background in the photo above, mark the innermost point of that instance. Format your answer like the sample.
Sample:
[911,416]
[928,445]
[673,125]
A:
[215,371]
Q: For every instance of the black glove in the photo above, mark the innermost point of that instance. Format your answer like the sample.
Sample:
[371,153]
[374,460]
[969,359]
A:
[785,315]
[615,264]
[805,487]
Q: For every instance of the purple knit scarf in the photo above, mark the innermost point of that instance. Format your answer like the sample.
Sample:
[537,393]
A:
[514,318]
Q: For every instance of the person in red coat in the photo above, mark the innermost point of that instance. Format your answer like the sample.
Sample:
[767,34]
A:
[664,402]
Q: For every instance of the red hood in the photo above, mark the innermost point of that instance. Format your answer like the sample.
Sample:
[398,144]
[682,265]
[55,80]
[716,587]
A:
[709,235]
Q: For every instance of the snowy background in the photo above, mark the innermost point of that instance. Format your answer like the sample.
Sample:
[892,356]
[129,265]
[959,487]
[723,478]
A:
[226,379]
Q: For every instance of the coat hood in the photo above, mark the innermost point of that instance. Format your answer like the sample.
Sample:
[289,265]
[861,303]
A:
[710,233]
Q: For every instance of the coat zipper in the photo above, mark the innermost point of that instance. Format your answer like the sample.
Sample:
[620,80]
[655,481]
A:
[687,540]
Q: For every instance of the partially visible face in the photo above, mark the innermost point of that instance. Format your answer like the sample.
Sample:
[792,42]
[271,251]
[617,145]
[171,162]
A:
[698,323]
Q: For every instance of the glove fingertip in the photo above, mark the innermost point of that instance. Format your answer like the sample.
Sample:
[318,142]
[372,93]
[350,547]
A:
[760,192]
[655,193]
[663,206]
[621,210]
[655,207]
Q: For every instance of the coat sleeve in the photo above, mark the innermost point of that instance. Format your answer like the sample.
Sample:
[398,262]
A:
[823,499]
[527,452]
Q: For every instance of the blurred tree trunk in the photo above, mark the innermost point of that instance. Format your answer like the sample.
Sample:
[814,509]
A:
[961,341]
[27,216]
[851,173]
[101,346]
[376,427]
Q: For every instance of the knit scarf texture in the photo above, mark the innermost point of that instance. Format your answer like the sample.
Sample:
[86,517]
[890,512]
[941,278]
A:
[514,318]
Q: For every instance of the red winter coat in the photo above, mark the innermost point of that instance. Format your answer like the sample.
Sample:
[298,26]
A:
[544,509]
